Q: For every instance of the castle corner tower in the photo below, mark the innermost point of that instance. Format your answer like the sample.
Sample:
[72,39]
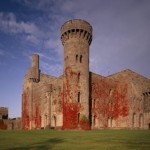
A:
[76,37]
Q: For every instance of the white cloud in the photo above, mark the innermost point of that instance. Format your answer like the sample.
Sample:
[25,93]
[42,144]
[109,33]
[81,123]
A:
[44,56]
[32,38]
[51,69]
[49,64]
[9,24]
[120,36]
[42,5]
[54,45]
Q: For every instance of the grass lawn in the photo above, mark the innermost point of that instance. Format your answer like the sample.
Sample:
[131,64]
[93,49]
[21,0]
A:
[75,140]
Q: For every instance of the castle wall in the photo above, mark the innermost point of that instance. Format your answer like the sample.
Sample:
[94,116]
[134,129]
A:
[14,124]
[109,103]
[137,100]
[146,110]
[80,99]
[3,113]
[3,117]
[41,103]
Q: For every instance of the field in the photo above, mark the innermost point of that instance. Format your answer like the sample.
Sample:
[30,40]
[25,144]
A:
[75,140]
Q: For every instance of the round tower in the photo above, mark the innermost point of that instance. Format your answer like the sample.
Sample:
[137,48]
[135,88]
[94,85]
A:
[76,37]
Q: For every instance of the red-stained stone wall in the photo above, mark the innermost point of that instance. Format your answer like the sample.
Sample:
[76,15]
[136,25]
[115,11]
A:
[76,37]
[72,109]
[80,99]
[109,101]
[25,112]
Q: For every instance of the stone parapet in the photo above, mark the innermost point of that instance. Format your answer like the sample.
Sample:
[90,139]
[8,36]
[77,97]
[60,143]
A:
[76,28]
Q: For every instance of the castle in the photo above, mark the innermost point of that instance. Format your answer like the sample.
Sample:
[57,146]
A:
[80,99]
[8,123]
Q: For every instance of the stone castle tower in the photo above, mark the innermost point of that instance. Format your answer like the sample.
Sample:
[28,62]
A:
[80,99]
[76,36]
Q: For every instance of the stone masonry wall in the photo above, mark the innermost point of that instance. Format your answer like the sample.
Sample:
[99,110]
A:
[80,99]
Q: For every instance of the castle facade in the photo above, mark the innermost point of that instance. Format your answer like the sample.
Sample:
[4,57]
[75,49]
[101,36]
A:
[80,99]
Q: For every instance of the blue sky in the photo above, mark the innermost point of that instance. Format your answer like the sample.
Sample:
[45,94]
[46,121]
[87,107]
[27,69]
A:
[121,39]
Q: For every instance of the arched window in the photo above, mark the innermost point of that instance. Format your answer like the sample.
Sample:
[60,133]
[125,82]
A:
[78,97]
[80,58]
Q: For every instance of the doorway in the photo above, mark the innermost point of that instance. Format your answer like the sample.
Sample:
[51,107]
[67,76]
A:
[141,121]
[134,120]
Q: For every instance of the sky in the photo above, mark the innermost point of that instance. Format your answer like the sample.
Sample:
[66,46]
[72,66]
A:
[121,39]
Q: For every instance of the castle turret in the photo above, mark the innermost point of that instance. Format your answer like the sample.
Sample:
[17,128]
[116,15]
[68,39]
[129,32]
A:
[34,77]
[33,71]
[76,36]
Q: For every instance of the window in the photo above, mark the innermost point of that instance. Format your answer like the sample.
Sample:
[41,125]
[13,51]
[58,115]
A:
[78,97]
[134,120]
[94,103]
[66,57]
[110,92]
[94,120]
[78,118]
[78,76]
[110,121]
[141,121]
[76,58]
[80,58]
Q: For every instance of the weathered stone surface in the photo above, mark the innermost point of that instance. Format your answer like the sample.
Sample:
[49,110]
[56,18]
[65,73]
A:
[80,99]
[7,123]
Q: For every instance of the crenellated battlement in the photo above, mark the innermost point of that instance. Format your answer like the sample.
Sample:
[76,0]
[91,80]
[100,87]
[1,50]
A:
[76,28]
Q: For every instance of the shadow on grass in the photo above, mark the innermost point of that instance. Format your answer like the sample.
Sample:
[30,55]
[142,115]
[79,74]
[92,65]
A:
[48,144]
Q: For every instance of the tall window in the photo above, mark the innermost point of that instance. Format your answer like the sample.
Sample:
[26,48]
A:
[78,118]
[134,120]
[94,103]
[78,97]
[78,76]
[80,58]
[76,58]
[94,120]
[141,121]
[110,92]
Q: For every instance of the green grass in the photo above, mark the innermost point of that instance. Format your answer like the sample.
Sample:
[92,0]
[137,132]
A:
[75,140]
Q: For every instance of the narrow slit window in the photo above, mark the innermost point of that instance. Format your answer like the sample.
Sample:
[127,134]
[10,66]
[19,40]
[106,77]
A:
[78,76]
[78,118]
[80,58]
[94,103]
[78,97]
[76,58]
